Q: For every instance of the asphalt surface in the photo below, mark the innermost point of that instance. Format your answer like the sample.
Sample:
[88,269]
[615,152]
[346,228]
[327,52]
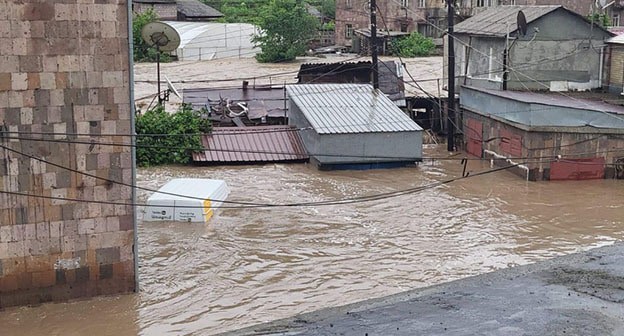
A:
[578,294]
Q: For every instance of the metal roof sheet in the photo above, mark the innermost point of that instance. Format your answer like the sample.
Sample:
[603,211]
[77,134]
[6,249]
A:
[194,8]
[349,108]
[496,20]
[567,99]
[252,144]
[390,75]
[616,39]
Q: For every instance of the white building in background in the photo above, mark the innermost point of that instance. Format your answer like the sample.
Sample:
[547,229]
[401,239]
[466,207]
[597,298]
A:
[207,40]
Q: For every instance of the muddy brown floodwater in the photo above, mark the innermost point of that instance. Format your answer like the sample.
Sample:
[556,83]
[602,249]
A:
[255,265]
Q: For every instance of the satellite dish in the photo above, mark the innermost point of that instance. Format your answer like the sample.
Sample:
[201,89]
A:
[522,24]
[164,38]
[172,88]
[602,3]
[161,36]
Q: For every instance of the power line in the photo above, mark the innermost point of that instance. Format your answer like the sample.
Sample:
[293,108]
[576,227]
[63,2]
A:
[352,200]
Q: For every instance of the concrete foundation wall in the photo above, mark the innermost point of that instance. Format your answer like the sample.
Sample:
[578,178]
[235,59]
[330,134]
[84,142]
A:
[64,77]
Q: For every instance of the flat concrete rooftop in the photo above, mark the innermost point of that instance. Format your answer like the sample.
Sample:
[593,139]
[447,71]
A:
[578,294]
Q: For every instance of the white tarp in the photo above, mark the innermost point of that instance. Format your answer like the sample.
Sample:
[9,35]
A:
[211,40]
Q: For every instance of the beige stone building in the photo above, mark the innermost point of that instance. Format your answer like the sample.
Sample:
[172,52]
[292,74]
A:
[67,225]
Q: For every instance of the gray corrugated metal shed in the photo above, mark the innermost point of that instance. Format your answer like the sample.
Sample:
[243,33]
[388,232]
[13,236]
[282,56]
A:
[196,9]
[252,144]
[495,20]
[349,108]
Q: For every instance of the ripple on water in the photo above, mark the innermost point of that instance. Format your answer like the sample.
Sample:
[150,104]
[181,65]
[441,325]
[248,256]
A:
[253,265]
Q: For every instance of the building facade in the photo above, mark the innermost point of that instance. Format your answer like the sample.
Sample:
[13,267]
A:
[559,51]
[67,227]
[425,16]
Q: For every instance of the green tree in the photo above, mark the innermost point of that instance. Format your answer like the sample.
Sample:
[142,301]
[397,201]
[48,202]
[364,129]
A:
[164,138]
[286,27]
[601,19]
[241,11]
[328,8]
[142,51]
[413,45]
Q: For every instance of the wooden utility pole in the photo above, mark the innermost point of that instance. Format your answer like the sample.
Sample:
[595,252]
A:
[450,104]
[373,28]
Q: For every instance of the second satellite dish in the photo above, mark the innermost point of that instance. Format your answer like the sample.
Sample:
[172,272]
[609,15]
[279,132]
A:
[172,88]
[161,36]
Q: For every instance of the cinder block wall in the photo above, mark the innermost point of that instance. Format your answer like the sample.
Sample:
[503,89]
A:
[165,11]
[64,70]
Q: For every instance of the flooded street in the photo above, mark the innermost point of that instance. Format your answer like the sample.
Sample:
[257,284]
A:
[259,264]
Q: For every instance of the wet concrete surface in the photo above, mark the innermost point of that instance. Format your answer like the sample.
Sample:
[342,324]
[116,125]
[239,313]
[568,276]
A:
[578,294]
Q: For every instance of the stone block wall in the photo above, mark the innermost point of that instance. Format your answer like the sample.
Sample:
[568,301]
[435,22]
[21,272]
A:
[64,86]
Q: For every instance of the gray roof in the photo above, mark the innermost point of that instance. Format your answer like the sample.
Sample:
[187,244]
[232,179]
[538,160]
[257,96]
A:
[313,11]
[569,100]
[494,20]
[195,8]
[349,108]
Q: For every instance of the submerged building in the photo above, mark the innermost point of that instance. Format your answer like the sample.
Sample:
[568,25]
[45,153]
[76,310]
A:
[352,126]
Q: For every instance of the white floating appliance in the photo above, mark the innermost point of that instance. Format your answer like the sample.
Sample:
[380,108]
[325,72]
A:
[186,200]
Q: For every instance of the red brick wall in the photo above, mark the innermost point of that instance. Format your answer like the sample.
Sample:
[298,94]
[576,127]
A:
[540,149]
[64,69]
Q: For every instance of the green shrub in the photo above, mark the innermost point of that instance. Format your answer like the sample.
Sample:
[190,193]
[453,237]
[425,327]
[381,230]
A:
[169,137]
[413,45]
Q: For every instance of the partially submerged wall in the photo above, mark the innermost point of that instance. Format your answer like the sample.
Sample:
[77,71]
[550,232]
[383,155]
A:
[563,153]
[64,79]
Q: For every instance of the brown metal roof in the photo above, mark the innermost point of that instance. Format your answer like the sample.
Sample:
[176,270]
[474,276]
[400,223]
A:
[252,144]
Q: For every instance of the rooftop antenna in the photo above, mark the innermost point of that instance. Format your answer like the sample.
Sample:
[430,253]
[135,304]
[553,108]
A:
[163,37]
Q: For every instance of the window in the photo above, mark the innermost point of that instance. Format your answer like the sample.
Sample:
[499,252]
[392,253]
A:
[616,20]
[422,3]
[405,3]
[349,4]
[484,3]
[348,31]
